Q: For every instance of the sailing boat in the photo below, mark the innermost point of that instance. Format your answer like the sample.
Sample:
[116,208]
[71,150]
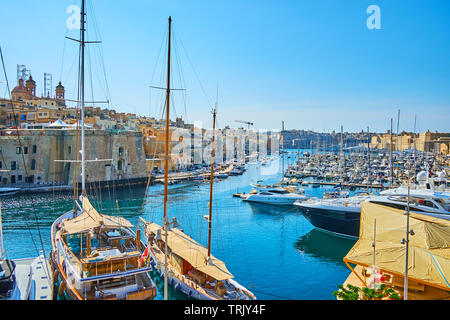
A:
[185,264]
[97,256]
[26,278]
[12,285]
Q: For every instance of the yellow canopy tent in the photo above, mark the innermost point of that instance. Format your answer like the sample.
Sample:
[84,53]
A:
[90,218]
[429,247]
[193,252]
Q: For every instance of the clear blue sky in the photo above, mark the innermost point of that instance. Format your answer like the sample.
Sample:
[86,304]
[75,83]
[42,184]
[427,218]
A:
[313,64]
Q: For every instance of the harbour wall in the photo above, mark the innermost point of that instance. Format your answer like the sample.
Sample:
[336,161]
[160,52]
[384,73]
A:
[49,157]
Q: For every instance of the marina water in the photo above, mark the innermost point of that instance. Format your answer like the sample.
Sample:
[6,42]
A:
[273,251]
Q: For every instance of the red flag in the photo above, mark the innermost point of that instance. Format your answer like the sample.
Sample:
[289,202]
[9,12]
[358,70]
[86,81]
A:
[143,256]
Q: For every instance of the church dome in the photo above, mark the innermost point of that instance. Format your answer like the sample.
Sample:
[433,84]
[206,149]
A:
[30,81]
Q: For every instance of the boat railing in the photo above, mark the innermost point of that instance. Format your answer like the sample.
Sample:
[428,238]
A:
[100,266]
[69,256]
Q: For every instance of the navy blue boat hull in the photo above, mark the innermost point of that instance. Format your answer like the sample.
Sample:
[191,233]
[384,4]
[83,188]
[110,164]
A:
[343,223]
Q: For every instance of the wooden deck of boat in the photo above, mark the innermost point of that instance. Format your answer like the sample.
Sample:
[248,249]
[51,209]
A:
[416,291]
[159,255]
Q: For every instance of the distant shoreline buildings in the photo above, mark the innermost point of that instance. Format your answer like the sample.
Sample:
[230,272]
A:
[129,147]
[434,142]
[38,141]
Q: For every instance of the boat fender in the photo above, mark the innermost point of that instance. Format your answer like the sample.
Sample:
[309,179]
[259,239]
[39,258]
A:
[61,288]
[55,276]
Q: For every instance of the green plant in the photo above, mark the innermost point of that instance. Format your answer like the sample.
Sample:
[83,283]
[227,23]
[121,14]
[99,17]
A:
[394,296]
[354,293]
[368,293]
[351,293]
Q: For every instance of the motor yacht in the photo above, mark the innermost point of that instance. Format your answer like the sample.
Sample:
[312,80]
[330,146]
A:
[436,205]
[275,196]
[339,216]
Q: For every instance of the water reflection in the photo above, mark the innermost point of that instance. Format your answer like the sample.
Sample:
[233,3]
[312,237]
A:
[324,246]
[269,209]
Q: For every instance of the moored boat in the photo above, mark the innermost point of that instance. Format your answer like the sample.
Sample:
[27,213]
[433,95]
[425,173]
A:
[96,256]
[184,264]
[386,266]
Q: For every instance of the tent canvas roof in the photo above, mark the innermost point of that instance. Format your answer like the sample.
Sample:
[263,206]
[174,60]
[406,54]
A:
[58,123]
[90,218]
[429,247]
[193,252]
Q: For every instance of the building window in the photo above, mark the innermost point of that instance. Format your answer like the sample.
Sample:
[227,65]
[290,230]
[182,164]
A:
[33,164]
[1,164]
[19,177]
[18,150]
[70,149]
[120,165]
[25,150]
[34,148]
[13,165]
[120,151]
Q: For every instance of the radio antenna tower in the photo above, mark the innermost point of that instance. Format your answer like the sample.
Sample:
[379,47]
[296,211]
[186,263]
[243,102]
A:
[22,72]
[47,85]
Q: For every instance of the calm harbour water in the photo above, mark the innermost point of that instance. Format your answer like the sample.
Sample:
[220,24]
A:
[273,251]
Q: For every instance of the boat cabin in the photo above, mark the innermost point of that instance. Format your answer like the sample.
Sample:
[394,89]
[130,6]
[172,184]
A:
[101,253]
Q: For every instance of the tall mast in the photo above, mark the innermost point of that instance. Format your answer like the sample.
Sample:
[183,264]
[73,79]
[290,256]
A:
[368,146]
[392,165]
[342,149]
[166,160]
[81,88]
[414,136]
[1,232]
[408,232]
[211,179]
[398,123]
[282,151]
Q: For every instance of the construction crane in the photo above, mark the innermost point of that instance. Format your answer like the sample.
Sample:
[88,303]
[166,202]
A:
[246,122]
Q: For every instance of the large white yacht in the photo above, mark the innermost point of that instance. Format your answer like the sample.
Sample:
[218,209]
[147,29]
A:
[341,216]
[275,196]
[425,185]
[436,205]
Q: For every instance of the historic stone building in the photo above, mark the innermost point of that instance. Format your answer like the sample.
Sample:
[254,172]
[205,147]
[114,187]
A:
[48,157]
[428,141]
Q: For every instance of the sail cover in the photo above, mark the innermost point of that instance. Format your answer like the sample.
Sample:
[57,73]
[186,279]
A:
[194,253]
[429,247]
[90,218]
